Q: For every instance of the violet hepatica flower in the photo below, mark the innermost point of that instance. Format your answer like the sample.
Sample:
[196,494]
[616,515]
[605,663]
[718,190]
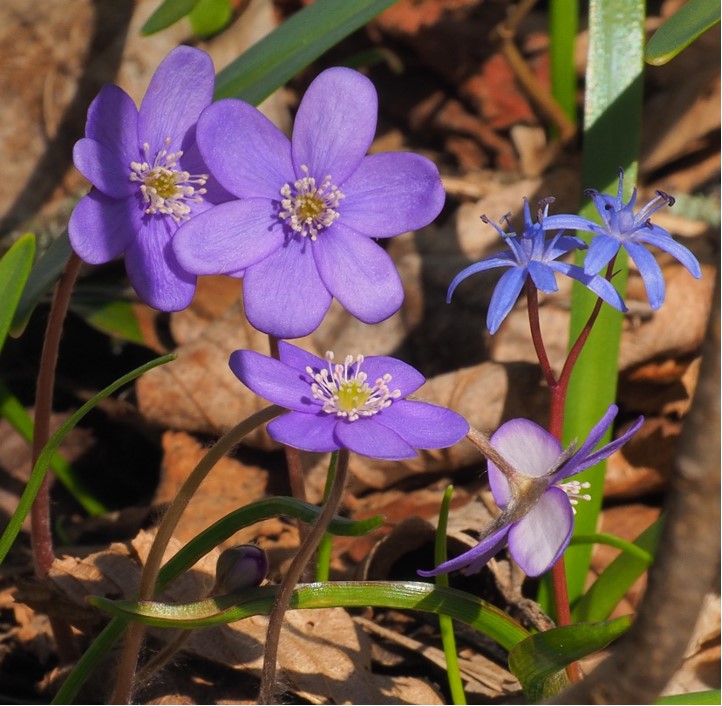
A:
[358,404]
[535,495]
[148,177]
[301,230]
[622,227]
[532,255]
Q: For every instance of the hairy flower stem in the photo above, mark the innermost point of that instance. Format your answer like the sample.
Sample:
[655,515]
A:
[285,590]
[41,528]
[125,676]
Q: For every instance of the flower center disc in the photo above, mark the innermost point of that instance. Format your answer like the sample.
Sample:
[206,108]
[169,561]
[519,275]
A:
[308,208]
[344,391]
[165,188]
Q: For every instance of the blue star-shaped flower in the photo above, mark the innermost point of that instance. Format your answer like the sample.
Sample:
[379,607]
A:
[531,255]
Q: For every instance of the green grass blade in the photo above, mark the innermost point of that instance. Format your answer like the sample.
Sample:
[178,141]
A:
[169,12]
[538,662]
[611,540]
[303,37]
[563,26]
[116,318]
[15,267]
[696,698]
[12,410]
[409,595]
[40,469]
[692,19]
[614,582]
[210,16]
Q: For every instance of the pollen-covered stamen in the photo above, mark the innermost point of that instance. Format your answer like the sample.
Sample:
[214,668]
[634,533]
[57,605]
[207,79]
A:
[167,189]
[573,490]
[345,392]
[309,208]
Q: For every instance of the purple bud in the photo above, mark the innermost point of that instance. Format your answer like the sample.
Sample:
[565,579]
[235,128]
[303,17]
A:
[244,566]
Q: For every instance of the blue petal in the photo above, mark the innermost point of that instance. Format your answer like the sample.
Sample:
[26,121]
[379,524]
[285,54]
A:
[504,259]
[594,283]
[543,276]
[663,241]
[601,250]
[505,295]
[650,272]
[563,221]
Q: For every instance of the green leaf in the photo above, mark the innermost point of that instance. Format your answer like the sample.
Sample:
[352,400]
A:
[116,318]
[538,661]
[695,698]
[43,276]
[679,31]
[611,540]
[210,17]
[14,271]
[614,582]
[169,12]
[303,37]
[41,466]
[409,595]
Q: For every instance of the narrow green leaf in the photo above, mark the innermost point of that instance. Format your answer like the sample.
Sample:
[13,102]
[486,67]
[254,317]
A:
[210,17]
[679,31]
[303,37]
[40,469]
[14,271]
[538,661]
[614,582]
[43,276]
[611,540]
[116,318]
[695,698]
[563,26]
[409,595]
[169,12]
[12,410]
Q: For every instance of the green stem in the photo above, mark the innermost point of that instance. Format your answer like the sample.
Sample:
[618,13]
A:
[323,557]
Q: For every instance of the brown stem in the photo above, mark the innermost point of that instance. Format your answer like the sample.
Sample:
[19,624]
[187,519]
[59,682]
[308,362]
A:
[563,613]
[532,301]
[41,528]
[299,563]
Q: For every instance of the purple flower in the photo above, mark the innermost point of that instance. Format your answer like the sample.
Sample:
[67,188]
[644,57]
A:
[531,255]
[621,227]
[302,229]
[536,499]
[358,404]
[148,177]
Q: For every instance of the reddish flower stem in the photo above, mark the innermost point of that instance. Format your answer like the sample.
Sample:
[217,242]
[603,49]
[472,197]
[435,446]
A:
[41,527]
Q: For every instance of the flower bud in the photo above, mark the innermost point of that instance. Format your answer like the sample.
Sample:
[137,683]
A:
[244,566]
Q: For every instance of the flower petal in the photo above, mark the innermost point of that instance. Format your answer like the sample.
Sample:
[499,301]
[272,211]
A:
[658,237]
[103,168]
[504,297]
[650,271]
[594,283]
[180,89]
[404,377]
[299,359]
[542,276]
[601,250]
[153,270]
[423,425]
[368,438]
[274,380]
[102,228]
[542,535]
[113,122]
[563,221]
[475,558]
[308,432]
[359,273]
[244,150]
[229,237]
[392,193]
[335,124]
[283,294]
[503,259]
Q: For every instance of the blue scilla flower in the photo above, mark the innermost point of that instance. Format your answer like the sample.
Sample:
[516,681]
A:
[621,227]
[532,255]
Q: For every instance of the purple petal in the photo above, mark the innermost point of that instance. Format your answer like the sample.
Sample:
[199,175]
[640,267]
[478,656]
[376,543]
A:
[601,250]
[335,124]
[650,272]
[542,276]
[392,193]
[504,259]
[542,535]
[153,270]
[404,377]
[477,557]
[530,450]
[194,164]
[368,438]
[561,245]
[563,221]
[359,273]
[611,447]
[309,432]
[299,359]
[244,150]
[283,294]
[113,122]
[594,283]
[423,425]
[102,228]
[658,237]
[504,297]
[229,237]
[103,168]
[274,381]
[180,89]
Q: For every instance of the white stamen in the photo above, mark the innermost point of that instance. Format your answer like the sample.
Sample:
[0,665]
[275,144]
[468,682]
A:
[165,188]
[573,490]
[344,391]
[308,208]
